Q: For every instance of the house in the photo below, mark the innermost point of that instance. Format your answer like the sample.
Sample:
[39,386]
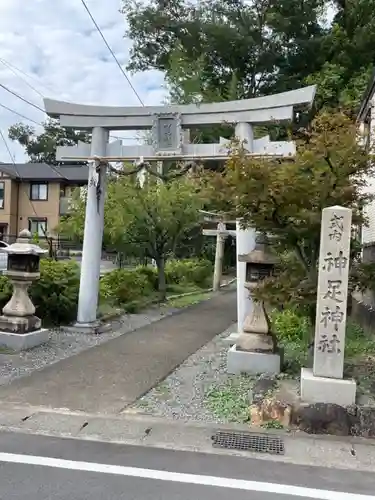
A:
[34,195]
[366,122]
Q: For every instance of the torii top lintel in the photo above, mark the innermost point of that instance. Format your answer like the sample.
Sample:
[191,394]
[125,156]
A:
[267,109]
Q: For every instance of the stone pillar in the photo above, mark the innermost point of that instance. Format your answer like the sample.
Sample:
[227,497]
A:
[244,132]
[325,384]
[93,233]
[219,256]
[245,239]
[245,243]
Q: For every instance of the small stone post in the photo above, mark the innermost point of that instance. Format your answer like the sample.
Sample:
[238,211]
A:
[19,327]
[325,384]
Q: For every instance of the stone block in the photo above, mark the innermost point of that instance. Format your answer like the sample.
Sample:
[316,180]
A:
[21,342]
[270,410]
[95,328]
[324,418]
[252,362]
[19,324]
[326,390]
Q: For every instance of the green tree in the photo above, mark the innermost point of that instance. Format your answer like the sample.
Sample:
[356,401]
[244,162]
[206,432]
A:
[285,200]
[348,52]
[150,221]
[41,148]
[269,45]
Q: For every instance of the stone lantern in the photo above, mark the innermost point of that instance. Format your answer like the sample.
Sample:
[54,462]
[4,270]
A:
[19,327]
[256,349]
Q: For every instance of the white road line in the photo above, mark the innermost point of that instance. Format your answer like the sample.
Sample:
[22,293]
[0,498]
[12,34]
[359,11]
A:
[221,482]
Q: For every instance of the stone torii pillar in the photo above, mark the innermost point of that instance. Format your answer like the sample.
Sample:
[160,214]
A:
[93,234]
[221,233]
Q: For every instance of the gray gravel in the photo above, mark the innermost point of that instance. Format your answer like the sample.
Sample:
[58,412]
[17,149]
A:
[182,394]
[65,344]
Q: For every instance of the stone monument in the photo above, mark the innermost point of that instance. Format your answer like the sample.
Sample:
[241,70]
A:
[19,327]
[256,348]
[325,383]
[169,126]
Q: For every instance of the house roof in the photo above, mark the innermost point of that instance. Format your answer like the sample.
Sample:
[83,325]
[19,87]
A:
[367,96]
[45,172]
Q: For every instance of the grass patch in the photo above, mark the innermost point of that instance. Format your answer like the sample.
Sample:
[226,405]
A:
[230,401]
[107,311]
[189,300]
[272,424]
[7,350]
[359,354]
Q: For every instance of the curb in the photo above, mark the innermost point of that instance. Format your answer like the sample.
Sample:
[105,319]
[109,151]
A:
[30,412]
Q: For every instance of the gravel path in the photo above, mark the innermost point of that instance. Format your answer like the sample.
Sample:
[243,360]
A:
[63,345]
[182,394]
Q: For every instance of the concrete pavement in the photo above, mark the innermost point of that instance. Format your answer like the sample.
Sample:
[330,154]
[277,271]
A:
[40,468]
[109,377]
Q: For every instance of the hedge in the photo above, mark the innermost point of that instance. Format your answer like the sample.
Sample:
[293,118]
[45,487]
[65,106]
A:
[55,294]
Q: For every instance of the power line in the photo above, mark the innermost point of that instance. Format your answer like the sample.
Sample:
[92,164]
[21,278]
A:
[7,147]
[22,98]
[26,74]
[111,51]
[4,63]
[18,173]
[20,115]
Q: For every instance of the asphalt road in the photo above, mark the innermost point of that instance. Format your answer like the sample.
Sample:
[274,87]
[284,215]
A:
[43,468]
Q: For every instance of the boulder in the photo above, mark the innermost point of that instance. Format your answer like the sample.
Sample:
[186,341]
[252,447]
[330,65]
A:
[324,418]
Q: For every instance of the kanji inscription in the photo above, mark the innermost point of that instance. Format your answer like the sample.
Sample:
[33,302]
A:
[332,292]
[167,134]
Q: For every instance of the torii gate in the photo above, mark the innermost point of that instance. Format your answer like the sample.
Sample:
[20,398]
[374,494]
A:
[168,125]
[221,232]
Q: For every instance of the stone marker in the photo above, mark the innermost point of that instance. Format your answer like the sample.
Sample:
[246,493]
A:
[325,382]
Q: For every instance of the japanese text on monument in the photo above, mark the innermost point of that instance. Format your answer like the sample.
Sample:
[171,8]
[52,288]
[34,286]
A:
[332,291]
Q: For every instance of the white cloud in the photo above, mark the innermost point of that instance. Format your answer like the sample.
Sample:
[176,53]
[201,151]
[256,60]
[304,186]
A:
[57,45]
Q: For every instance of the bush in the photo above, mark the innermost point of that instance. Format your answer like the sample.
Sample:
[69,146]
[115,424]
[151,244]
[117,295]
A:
[5,291]
[195,271]
[124,285]
[151,274]
[289,326]
[55,294]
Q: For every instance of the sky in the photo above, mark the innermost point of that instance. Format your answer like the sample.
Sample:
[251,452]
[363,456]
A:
[56,45]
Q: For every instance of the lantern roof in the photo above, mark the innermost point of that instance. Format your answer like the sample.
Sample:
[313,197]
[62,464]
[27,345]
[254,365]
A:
[260,254]
[23,245]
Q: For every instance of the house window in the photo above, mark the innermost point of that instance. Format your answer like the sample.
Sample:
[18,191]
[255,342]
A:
[2,194]
[39,191]
[38,226]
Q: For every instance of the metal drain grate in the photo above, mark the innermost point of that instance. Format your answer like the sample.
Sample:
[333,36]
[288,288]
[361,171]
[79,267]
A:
[260,443]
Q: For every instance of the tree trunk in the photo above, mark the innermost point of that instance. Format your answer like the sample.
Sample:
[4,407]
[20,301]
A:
[162,285]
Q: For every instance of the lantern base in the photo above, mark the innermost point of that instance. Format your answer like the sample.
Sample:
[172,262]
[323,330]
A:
[21,342]
[19,325]
[253,362]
